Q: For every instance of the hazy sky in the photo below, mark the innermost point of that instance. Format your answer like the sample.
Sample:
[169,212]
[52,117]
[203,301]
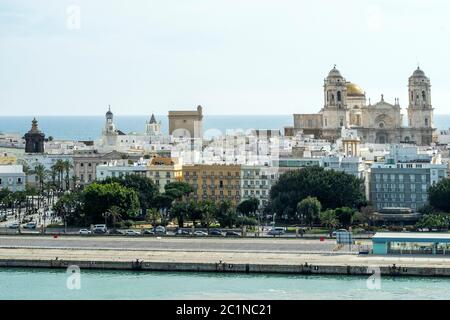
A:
[230,56]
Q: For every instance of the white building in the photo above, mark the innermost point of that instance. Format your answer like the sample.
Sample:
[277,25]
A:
[12,178]
[256,182]
[120,168]
[403,179]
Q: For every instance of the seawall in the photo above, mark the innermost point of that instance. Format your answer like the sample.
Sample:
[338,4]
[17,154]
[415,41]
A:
[223,267]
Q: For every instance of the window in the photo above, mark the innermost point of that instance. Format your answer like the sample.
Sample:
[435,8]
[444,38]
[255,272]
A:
[339,96]
[426,122]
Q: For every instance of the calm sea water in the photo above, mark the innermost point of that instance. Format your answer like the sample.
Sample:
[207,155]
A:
[51,284]
[90,127]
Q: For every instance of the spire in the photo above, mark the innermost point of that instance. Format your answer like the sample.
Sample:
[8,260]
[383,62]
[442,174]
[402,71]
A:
[152,119]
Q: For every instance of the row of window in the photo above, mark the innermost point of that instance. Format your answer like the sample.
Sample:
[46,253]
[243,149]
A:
[11,181]
[401,187]
[401,177]
[401,196]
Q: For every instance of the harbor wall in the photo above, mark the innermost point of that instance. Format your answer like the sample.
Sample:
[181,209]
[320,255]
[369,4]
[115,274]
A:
[390,270]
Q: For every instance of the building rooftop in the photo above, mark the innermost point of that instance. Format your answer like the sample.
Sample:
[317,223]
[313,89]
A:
[411,236]
[11,169]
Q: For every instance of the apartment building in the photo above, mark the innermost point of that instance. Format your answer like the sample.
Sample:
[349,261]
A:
[403,179]
[256,182]
[214,182]
[163,170]
[12,178]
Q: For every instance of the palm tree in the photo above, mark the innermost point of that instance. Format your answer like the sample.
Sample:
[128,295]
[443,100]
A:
[40,173]
[27,171]
[152,216]
[115,213]
[75,180]
[66,165]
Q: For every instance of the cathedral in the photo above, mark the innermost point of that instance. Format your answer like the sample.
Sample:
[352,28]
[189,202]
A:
[346,106]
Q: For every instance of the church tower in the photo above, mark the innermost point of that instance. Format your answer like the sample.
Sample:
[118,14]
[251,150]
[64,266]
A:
[335,111]
[153,128]
[420,111]
[109,134]
[34,139]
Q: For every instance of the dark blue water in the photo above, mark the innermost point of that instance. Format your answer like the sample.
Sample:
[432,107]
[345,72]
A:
[90,127]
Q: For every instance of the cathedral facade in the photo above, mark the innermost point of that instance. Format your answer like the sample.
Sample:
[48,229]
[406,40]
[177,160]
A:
[346,106]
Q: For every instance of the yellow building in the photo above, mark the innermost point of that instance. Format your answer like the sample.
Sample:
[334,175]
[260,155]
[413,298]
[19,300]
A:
[214,182]
[7,160]
[164,170]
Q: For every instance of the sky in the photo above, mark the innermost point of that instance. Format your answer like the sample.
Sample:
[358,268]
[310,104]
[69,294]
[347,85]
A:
[230,56]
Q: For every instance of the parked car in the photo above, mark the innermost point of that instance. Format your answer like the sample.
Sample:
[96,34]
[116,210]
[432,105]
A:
[232,234]
[200,233]
[14,225]
[148,231]
[84,231]
[183,232]
[115,231]
[100,228]
[215,232]
[160,230]
[278,231]
[132,233]
[30,225]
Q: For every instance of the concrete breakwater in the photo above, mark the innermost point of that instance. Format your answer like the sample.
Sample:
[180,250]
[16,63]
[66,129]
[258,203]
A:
[224,267]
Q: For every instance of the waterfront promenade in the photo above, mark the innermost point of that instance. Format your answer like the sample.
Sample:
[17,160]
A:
[188,257]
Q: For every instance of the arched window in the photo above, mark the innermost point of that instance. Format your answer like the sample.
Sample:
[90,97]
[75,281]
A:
[424,96]
[339,96]
[426,122]
[341,122]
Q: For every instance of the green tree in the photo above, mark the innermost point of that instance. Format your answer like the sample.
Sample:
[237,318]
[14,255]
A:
[68,208]
[195,211]
[345,216]
[208,212]
[248,207]
[152,216]
[115,214]
[328,219]
[332,188]
[226,215]
[434,221]
[178,190]
[99,198]
[179,211]
[439,195]
[309,208]
[146,190]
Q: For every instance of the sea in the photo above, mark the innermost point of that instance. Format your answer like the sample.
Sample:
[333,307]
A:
[90,127]
[18,283]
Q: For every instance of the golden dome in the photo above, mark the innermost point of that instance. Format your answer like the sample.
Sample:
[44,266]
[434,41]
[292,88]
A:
[354,90]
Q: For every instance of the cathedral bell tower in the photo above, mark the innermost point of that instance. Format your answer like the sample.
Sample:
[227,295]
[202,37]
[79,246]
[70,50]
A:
[335,112]
[420,110]
[34,139]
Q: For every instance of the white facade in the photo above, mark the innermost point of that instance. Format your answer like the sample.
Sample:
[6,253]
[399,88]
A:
[256,182]
[120,168]
[12,178]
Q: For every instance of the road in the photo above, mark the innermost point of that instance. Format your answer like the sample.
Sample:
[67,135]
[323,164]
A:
[174,244]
